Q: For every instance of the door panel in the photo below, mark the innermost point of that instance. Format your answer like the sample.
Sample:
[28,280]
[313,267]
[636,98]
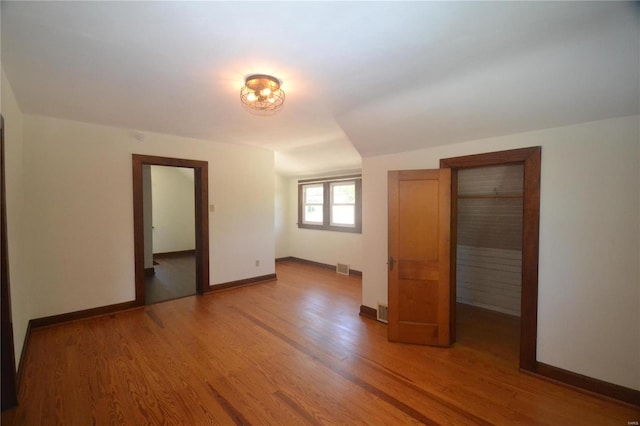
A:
[419,256]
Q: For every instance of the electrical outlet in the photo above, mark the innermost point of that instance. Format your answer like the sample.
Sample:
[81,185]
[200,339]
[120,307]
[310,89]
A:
[257,262]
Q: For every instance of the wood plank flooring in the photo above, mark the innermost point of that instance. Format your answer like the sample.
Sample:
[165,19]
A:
[175,277]
[292,351]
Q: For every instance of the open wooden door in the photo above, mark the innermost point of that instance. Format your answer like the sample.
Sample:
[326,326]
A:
[419,256]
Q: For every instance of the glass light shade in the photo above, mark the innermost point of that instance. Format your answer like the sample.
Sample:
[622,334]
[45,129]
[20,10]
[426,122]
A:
[262,95]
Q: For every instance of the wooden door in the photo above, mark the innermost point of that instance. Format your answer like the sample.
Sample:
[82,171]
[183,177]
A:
[419,257]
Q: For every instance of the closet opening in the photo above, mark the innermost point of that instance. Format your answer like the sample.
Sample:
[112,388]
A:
[498,326]
[489,259]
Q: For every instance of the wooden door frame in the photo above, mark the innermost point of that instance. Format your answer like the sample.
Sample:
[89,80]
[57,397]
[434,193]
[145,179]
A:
[9,388]
[531,159]
[201,182]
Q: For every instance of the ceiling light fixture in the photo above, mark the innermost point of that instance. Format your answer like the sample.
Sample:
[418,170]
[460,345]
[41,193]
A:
[261,94]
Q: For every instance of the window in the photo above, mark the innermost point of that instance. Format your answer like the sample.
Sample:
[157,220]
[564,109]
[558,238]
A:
[343,203]
[333,204]
[313,196]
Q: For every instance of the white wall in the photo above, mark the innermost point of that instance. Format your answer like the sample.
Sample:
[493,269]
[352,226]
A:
[588,316]
[321,246]
[173,201]
[282,217]
[79,207]
[490,278]
[19,265]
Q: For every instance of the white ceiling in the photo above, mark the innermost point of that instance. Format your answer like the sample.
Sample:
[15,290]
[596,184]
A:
[361,78]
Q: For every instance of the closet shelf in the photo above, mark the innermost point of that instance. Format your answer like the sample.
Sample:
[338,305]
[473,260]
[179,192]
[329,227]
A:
[489,196]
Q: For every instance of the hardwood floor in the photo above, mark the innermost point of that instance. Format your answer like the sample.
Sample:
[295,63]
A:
[489,333]
[175,277]
[288,352]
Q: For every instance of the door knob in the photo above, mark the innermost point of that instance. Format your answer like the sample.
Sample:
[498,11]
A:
[392,262]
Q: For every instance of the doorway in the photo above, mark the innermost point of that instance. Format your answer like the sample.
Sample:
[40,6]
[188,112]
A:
[489,259]
[8,374]
[169,225]
[179,259]
[530,160]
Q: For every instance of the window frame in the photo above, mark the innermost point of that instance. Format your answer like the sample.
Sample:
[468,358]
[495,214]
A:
[327,204]
[333,203]
[304,203]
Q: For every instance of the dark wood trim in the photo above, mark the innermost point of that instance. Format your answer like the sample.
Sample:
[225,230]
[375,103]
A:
[83,314]
[9,389]
[138,230]
[453,259]
[355,273]
[23,355]
[201,177]
[531,158]
[201,189]
[242,283]
[284,259]
[352,272]
[314,263]
[530,256]
[170,254]
[368,312]
[588,385]
[497,158]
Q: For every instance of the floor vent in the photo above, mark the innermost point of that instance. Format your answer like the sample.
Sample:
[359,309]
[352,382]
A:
[383,313]
[342,268]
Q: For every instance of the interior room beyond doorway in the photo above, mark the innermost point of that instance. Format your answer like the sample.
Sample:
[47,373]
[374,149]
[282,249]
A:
[169,207]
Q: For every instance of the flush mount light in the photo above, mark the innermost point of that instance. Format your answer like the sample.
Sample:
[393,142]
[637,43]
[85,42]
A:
[261,94]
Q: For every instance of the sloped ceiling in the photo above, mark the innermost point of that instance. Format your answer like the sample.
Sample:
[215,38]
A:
[361,78]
